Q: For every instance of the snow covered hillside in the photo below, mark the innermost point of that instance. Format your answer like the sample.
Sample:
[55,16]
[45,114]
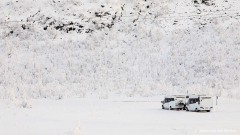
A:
[64,48]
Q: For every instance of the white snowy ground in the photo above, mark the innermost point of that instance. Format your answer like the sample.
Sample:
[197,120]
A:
[116,116]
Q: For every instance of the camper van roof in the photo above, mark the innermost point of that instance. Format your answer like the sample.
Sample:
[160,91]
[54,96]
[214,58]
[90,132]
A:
[179,95]
[198,96]
[174,96]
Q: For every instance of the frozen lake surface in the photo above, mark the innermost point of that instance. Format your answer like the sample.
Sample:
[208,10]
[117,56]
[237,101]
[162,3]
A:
[116,116]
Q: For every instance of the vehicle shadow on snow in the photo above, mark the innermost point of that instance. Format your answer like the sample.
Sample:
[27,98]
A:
[180,110]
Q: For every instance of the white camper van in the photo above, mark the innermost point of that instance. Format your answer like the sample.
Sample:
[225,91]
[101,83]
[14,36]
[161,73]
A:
[199,103]
[173,102]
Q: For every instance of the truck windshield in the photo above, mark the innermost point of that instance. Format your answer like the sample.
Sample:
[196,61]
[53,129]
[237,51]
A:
[168,100]
[193,100]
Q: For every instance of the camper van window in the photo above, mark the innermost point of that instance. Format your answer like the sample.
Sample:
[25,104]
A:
[197,99]
[190,101]
[193,100]
[166,100]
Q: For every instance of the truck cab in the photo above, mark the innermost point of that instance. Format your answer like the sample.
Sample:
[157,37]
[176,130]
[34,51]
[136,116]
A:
[173,102]
[199,103]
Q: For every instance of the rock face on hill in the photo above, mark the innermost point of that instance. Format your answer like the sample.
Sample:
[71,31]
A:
[67,48]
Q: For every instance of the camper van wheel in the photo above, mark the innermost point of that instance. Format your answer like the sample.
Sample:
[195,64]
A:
[171,108]
[163,107]
[196,110]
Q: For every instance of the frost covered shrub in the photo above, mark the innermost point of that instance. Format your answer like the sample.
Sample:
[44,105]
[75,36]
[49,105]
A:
[25,104]
[102,94]
[17,96]
[77,130]
[9,93]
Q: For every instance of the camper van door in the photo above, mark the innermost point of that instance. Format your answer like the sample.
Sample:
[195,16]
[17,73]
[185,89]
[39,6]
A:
[166,103]
[193,103]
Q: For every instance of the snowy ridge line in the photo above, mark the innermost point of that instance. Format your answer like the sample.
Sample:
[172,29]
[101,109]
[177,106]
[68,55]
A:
[168,16]
[158,19]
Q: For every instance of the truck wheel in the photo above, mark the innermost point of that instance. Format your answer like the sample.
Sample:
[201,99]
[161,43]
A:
[186,109]
[208,110]
[196,110]
[163,107]
[171,108]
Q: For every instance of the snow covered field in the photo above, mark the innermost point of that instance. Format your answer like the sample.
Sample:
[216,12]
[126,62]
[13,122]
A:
[54,53]
[116,116]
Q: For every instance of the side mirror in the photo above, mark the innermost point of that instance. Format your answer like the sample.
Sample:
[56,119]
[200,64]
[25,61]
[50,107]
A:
[162,102]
